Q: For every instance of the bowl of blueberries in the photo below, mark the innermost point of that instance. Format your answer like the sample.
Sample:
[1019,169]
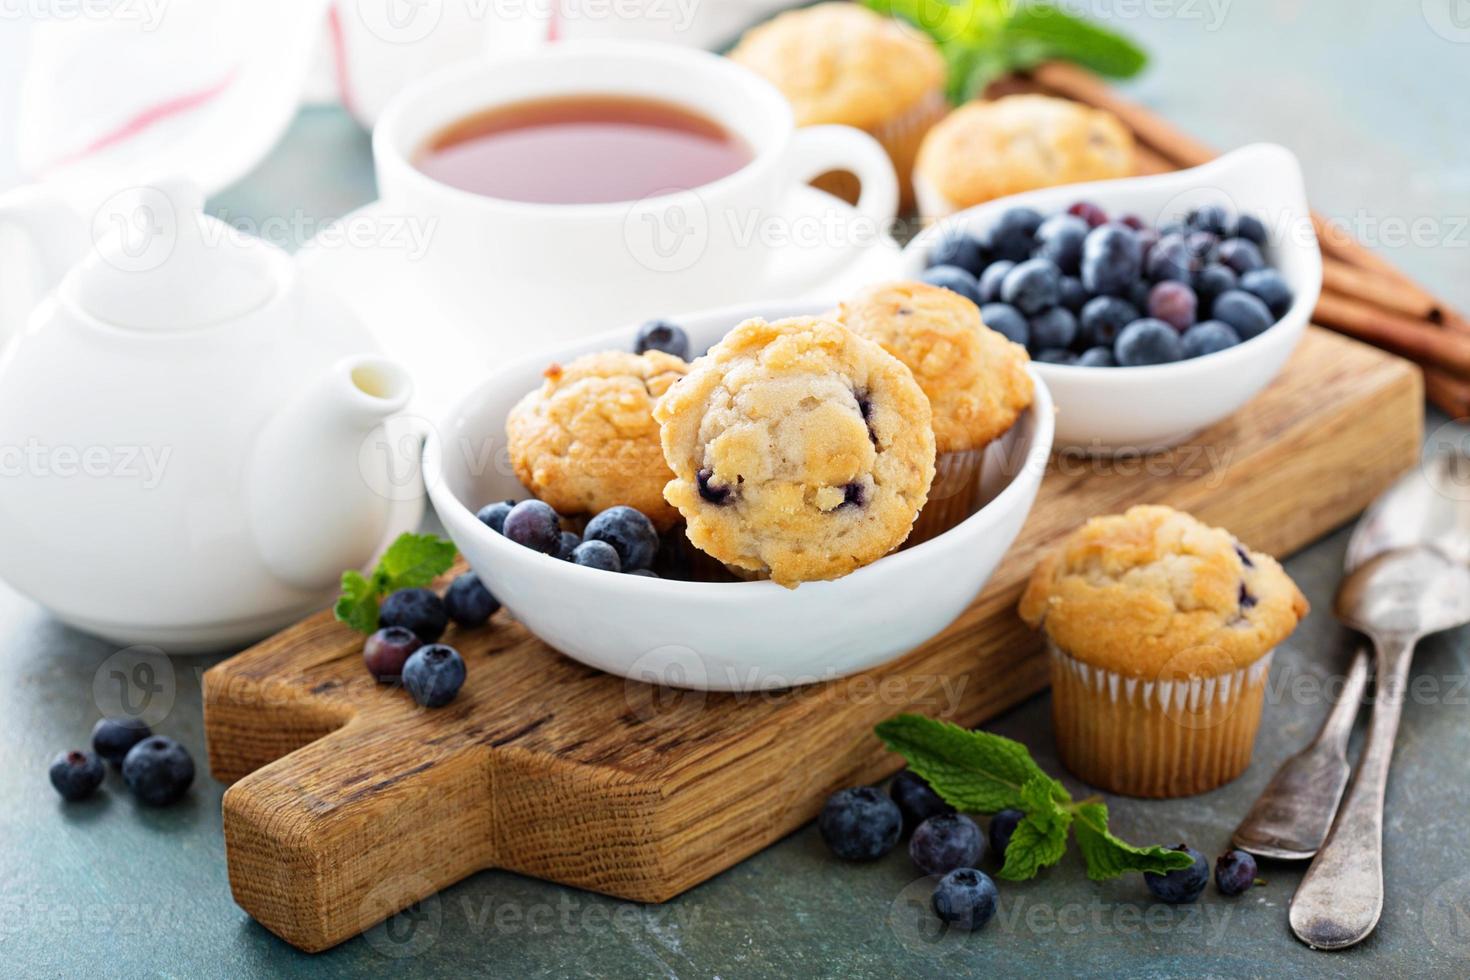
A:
[1153,306]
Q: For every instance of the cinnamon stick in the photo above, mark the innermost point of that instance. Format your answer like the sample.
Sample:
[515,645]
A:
[1451,394]
[1414,339]
[1390,292]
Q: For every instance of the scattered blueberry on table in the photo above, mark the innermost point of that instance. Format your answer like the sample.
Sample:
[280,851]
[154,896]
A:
[418,610]
[1002,826]
[434,674]
[158,771]
[916,799]
[113,737]
[468,603]
[945,843]
[1183,886]
[76,775]
[1074,287]
[965,898]
[860,824]
[387,650]
[1235,872]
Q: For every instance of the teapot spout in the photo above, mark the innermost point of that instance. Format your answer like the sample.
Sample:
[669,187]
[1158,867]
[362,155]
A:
[53,238]
[319,494]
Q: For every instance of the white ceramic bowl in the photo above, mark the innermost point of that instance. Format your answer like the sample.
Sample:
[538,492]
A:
[1125,410]
[737,636]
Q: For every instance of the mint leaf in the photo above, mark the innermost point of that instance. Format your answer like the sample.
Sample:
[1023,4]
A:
[976,771]
[1040,839]
[357,606]
[1107,856]
[415,560]
[1039,32]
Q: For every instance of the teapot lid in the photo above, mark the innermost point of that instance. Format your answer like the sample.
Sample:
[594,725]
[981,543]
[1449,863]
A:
[160,264]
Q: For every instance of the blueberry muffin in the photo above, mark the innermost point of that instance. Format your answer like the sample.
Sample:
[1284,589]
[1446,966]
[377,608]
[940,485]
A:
[586,439]
[976,381]
[800,451]
[986,150]
[1160,631]
[842,63]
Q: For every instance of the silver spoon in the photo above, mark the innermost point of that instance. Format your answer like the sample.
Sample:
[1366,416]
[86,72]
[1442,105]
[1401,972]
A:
[1290,819]
[1396,599]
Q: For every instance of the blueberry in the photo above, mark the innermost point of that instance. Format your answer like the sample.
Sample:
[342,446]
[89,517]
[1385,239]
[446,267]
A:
[1002,826]
[1209,337]
[916,799]
[1211,218]
[158,770]
[1060,238]
[597,554]
[714,492]
[1006,321]
[1032,286]
[965,251]
[569,542]
[1182,886]
[1251,229]
[662,335]
[675,558]
[1241,255]
[1103,318]
[1138,294]
[1201,246]
[1097,357]
[76,775]
[1132,221]
[1148,341]
[1055,355]
[946,842]
[965,898]
[1014,235]
[953,278]
[1090,213]
[990,280]
[113,737]
[1210,282]
[534,524]
[1169,259]
[1174,303]
[419,610]
[1074,294]
[1056,327]
[1244,311]
[1111,259]
[1270,287]
[860,824]
[468,602]
[493,515]
[1235,872]
[386,651]
[629,532]
[434,674]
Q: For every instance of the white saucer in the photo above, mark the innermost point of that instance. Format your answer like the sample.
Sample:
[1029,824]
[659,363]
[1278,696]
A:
[368,258]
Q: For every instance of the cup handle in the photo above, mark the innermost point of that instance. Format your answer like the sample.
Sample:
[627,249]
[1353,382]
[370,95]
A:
[814,151]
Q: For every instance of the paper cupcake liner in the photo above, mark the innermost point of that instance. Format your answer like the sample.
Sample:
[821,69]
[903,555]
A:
[951,495]
[900,138]
[1159,738]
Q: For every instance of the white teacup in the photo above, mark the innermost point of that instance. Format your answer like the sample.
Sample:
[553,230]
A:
[558,271]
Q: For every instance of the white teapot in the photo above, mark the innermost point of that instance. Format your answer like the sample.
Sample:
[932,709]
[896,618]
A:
[191,433]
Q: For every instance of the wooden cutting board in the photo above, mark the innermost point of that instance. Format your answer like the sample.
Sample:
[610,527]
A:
[350,803]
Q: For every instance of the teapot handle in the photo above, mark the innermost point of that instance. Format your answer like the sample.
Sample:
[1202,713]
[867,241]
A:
[41,238]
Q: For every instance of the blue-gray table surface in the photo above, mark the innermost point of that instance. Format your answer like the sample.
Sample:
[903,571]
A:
[1371,97]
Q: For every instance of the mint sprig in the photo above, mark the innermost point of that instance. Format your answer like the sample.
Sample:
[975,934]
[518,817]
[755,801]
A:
[413,560]
[981,40]
[984,773]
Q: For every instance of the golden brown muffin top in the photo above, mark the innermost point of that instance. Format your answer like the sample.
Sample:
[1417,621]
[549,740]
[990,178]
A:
[976,380]
[843,63]
[986,150]
[586,439]
[800,450]
[1154,588]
